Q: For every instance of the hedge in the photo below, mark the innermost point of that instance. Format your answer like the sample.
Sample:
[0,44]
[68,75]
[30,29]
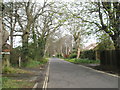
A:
[89,54]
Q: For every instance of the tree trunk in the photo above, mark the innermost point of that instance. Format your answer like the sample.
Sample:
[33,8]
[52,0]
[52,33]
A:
[117,47]
[0,35]
[11,38]
[61,51]
[116,41]
[41,46]
[78,53]
[0,47]
[25,46]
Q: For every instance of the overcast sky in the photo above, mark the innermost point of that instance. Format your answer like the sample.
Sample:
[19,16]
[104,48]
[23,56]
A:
[40,1]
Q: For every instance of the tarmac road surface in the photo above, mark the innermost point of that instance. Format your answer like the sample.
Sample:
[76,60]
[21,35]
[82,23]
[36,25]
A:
[63,74]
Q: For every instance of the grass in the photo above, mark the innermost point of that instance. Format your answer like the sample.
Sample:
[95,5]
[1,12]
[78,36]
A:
[9,70]
[30,64]
[10,83]
[33,63]
[0,82]
[83,61]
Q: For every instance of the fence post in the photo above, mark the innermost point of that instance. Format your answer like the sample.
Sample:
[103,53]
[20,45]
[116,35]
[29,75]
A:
[19,61]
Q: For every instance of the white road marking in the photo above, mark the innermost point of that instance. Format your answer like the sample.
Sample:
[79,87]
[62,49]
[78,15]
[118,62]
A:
[35,86]
[45,81]
[45,84]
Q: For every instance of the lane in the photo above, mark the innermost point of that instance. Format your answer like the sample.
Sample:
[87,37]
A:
[67,75]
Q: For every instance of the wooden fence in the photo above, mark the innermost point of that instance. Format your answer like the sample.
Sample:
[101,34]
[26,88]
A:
[110,58]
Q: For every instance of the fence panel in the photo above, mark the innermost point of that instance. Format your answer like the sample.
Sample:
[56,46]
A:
[110,58]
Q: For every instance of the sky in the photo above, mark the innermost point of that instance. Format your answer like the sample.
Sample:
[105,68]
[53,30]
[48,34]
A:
[40,1]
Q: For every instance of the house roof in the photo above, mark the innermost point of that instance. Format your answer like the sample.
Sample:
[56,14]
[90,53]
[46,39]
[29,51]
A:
[91,46]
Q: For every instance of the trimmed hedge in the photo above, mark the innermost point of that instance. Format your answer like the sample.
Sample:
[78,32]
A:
[89,54]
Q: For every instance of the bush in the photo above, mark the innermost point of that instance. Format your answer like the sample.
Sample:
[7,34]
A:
[58,55]
[83,61]
[34,63]
[89,54]
[8,70]
[73,55]
[86,61]
[44,60]
[66,56]
[16,52]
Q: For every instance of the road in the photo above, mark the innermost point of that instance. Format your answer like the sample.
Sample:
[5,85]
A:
[63,74]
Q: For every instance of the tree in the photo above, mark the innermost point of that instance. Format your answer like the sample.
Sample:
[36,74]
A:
[76,27]
[9,21]
[112,28]
[49,22]
[21,18]
[105,15]
[62,45]
[28,21]
[105,43]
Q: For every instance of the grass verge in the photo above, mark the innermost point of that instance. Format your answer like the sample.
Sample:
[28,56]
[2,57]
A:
[82,61]
[32,63]
[10,70]
[10,83]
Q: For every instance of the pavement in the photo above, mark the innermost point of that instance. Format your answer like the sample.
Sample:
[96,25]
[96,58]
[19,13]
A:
[63,74]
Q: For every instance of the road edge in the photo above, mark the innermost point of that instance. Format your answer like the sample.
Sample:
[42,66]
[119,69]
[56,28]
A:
[45,80]
[96,70]
[45,84]
[100,71]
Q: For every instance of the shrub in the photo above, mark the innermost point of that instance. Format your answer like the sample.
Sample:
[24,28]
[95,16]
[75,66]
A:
[73,55]
[66,56]
[34,63]
[58,55]
[44,60]
[89,54]
[7,70]
[83,61]
[86,61]
[16,52]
